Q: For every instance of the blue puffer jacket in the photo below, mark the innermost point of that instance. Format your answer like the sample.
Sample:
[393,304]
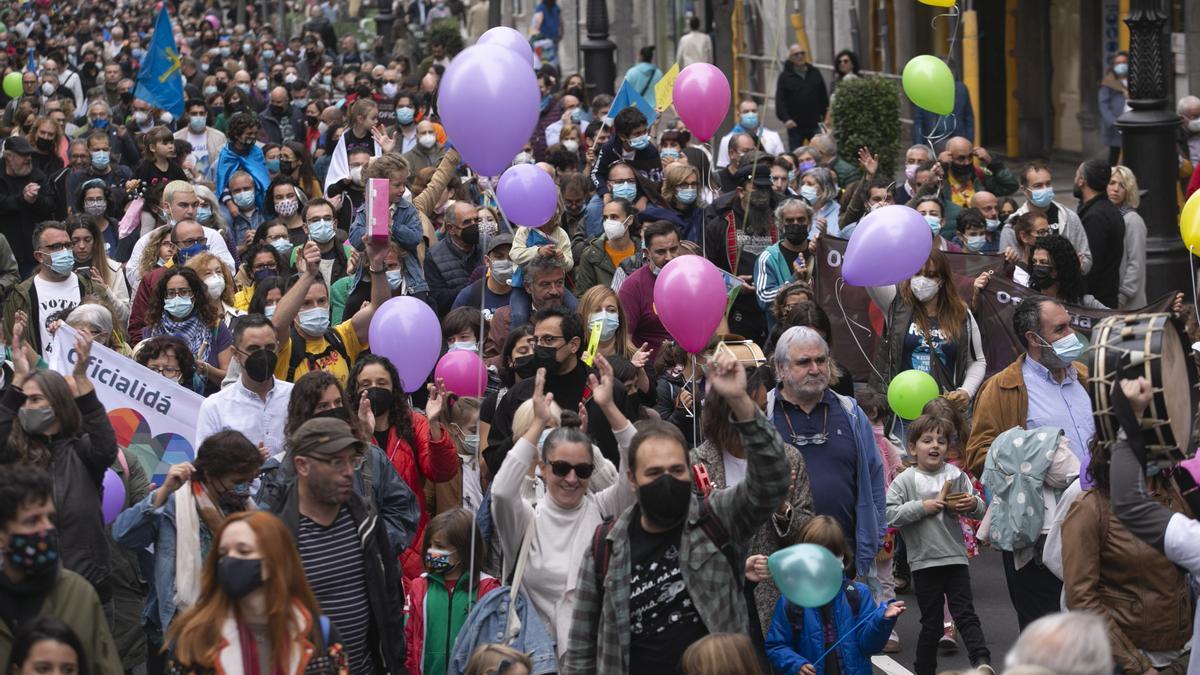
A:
[406,230]
[790,646]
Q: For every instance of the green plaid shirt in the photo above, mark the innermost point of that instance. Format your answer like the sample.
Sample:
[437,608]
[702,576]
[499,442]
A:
[600,634]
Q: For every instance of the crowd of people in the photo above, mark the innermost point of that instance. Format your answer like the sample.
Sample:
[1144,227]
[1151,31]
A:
[610,501]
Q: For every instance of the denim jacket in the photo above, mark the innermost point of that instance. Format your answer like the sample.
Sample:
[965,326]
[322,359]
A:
[487,623]
[140,526]
[406,231]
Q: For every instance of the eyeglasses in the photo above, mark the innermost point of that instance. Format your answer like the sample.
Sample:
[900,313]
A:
[55,248]
[563,469]
[169,373]
[546,340]
[259,268]
[187,243]
[178,293]
[355,463]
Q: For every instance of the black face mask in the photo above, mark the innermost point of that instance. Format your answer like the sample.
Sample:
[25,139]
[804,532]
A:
[336,413]
[545,357]
[312,120]
[524,366]
[796,237]
[260,365]
[665,500]
[239,577]
[286,166]
[470,235]
[365,91]
[381,399]
[576,92]
[1078,191]
[962,170]
[1041,277]
[277,110]
[760,200]
[45,144]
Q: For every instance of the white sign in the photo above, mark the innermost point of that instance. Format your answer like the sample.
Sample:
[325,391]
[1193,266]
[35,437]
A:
[154,418]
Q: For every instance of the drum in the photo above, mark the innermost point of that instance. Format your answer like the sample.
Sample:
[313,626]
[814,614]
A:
[1151,346]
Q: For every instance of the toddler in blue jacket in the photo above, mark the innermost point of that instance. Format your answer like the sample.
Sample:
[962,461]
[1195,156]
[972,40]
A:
[799,635]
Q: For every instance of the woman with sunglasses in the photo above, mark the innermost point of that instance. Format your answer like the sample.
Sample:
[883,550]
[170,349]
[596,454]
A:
[565,520]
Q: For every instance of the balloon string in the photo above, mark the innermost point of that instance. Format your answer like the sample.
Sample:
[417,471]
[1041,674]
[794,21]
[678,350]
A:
[837,293]
[1192,262]
[695,407]
[866,618]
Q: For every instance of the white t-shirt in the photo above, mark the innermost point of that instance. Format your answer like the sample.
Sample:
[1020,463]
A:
[1181,544]
[54,298]
[199,149]
[735,469]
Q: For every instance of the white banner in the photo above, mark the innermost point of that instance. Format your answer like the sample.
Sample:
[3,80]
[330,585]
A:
[153,417]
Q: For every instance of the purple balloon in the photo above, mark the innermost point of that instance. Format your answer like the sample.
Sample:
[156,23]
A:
[888,246]
[527,195]
[113,499]
[489,103]
[511,39]
[462,372]
[408,333]
[690,297]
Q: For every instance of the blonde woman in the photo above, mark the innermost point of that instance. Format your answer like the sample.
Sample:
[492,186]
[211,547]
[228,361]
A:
[601,307]
[219,281]
[159,252]
[1123,192]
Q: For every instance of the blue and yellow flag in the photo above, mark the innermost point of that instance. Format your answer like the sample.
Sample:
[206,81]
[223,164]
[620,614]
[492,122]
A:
[160,82]
[626,97]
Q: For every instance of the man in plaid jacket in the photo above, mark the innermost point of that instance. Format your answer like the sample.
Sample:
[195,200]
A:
[666,583]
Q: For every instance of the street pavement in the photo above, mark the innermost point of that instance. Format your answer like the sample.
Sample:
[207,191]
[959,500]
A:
[995,612]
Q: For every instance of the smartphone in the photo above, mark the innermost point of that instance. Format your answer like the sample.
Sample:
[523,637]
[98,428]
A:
[85,271]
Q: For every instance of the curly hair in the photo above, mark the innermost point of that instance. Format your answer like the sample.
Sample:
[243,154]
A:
[155,241]
[164,344]
[239,124]
[207,312]
[400,416]
[226,453]
[200,263]
[307,392]
[1066,266]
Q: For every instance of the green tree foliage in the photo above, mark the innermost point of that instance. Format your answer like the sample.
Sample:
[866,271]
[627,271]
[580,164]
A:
[866,111]
[447,29]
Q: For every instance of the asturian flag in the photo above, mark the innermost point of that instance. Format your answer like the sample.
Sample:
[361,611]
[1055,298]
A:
[160,82]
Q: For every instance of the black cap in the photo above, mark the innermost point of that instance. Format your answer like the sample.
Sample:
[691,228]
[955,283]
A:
[761,174]
[502,239]
[19,145]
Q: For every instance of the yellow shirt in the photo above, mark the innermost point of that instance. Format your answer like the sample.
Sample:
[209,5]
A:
[326,357]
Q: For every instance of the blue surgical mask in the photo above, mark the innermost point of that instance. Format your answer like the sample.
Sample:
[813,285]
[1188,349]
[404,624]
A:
[625,191]
[1066,349]
[640,142]
[197,123]
[314,321]
[273,165]
[244,86]
[284,246]
[462,347]
[62,262]
[269,311]
[405,115]
[975,244]
[100,123]
[686,195]
[1121,69]
[669,153]
[993,224]
[1041,197]
[321,231]
[576,115]
[180,308]
[191,251]
[395,279]
[749,120]
[100,159]
[610,322]
[808,193]
[268,54]
[791,175]
[203,214]
[244,199]
[935,223]
[210,90]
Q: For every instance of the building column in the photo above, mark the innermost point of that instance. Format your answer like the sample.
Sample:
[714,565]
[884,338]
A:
[1091,71]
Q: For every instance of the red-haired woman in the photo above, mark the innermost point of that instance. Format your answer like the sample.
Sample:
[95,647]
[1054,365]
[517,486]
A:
[256,614]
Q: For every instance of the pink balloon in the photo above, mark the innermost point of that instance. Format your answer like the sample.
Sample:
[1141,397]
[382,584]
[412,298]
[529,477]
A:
[528,195]
[689,296]
[112,500]
[701,97]
[407,332]
[489,103]
[889,245]
[503,36]
[463,372]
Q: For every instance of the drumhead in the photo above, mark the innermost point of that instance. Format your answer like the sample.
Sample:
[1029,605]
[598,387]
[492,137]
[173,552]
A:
[1177,386]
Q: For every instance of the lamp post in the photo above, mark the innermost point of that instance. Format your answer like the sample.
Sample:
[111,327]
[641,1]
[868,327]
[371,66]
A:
[600,67]
[383,24]
[1148,141]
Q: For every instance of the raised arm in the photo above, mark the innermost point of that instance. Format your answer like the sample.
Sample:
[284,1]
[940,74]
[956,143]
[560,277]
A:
[308,262]
[510,512]
[381,292]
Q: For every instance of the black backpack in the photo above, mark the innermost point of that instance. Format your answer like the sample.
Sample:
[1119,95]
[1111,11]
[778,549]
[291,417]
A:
[708,521]
[299,355]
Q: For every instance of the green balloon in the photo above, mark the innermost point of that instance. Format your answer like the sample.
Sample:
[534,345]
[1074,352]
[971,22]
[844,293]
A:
[12,84]
[910,391]
[929,84]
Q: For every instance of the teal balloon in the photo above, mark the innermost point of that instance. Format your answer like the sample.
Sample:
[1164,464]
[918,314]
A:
[12,84]
[806,574]
[929,84]
[910,391]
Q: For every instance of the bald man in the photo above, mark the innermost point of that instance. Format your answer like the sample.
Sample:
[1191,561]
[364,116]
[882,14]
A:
[989,206]
[426,152]
[972,170]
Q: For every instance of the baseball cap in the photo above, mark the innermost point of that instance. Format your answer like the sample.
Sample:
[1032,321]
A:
[323,437]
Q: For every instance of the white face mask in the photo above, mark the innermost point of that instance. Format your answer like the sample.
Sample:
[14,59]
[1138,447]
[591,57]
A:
[427,141]
[614,229]
[216,286]
[571,145]
[924,288]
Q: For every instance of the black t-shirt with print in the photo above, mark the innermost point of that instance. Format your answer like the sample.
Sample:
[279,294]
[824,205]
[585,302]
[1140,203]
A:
[663,620]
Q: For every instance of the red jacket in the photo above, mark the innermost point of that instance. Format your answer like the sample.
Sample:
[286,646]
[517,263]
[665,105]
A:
[438,462]
[414,623]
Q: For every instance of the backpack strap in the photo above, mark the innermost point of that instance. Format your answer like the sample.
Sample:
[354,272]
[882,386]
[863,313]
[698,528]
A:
[300,355]
[715,530]
[601,552]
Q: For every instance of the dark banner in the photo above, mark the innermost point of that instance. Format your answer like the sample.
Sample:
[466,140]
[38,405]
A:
[857,323]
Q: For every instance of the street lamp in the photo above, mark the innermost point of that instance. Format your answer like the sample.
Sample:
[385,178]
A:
[600,67]
[1148,142]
